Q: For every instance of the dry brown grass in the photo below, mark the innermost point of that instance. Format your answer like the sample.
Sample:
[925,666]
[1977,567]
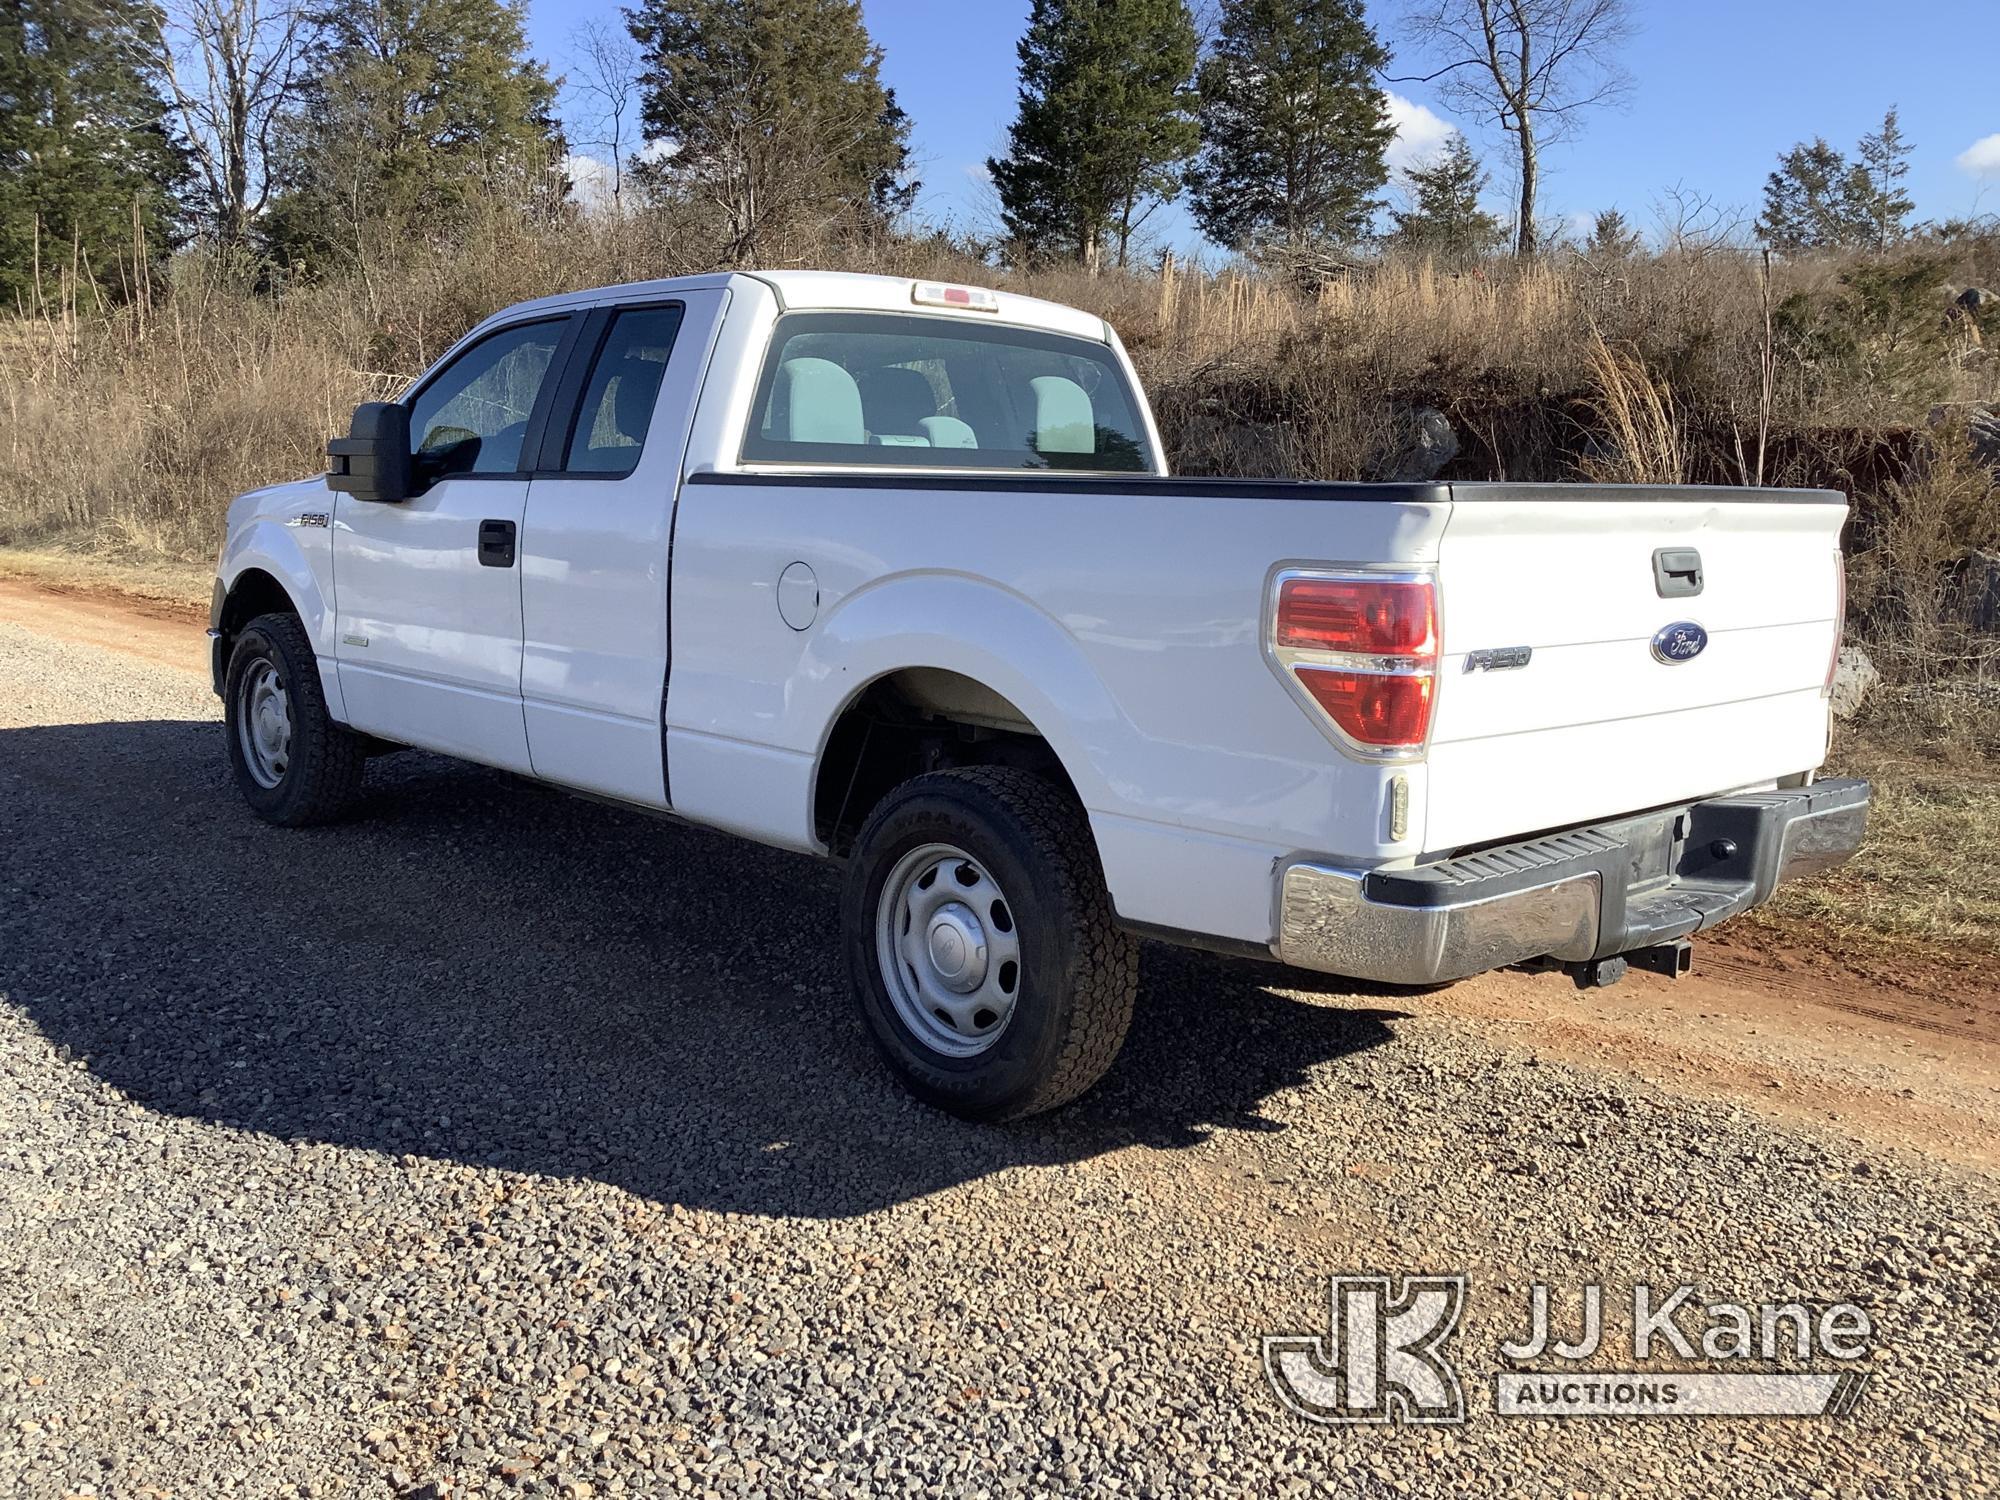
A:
[1641,437]
[1416,321]
[132,429]
[1911,593]
[1926,875]
[136,430]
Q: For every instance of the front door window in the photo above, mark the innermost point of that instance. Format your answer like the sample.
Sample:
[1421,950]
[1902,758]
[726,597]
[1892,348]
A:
[472,416]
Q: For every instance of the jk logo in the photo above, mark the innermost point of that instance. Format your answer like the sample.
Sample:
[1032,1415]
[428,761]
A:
[1379,1360]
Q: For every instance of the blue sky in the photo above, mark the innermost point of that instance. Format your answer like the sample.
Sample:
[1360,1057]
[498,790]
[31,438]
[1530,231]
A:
[1720,89]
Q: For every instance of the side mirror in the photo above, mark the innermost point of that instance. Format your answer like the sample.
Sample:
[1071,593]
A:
[373,461]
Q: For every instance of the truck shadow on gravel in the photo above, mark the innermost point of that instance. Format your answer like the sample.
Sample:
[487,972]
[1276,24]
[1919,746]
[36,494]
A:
[482,971]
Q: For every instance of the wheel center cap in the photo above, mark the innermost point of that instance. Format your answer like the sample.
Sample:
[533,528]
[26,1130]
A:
[957,946]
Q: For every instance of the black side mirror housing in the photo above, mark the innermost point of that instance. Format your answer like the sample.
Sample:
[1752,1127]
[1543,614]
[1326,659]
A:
[373,461]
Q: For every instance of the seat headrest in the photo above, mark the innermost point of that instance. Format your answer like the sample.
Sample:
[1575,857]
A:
[896,400]
[636,387]
[816,401]
[948,432]
[1064,422]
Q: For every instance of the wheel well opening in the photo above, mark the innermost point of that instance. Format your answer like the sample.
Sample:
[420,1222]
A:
[254,593]
[910,722]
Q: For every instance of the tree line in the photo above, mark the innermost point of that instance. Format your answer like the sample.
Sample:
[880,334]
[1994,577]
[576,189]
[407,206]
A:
[288,132]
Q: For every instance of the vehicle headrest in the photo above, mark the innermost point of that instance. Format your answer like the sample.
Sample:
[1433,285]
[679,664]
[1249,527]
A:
[896,400]
[1064,422]
[948,432]
[818,402]
[633,394]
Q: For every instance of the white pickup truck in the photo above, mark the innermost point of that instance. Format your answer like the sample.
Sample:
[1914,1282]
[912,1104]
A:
[894,573]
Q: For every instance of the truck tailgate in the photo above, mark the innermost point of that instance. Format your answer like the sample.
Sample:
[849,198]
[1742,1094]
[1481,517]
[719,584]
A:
[1594,722]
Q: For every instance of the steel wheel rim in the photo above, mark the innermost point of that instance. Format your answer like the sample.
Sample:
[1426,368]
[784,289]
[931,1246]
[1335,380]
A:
[264,723]
[949,950]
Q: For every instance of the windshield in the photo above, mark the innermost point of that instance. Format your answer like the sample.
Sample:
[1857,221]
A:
[903,390]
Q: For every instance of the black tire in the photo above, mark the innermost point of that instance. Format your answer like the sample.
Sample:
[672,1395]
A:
[1078,971]
[322,773]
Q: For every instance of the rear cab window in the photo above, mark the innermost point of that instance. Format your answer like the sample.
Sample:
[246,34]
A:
[904,390]
[608,431]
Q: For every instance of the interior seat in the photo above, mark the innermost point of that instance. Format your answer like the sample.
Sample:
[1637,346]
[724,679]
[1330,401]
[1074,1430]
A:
[635,389]
[816,401]
[896,401]
[1064,420]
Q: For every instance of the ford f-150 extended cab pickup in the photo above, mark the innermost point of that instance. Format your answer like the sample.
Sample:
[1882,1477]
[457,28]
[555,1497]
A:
[894,572]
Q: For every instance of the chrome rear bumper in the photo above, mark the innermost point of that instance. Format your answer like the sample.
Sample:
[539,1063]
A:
[1588,893]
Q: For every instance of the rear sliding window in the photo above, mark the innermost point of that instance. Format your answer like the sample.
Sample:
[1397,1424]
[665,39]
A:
[896,389]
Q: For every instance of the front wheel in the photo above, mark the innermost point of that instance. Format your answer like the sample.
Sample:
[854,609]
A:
[981,943]
[292,762]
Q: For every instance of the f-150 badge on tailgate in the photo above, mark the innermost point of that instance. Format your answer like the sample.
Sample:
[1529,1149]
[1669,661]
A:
[1681,641]
[1498,659]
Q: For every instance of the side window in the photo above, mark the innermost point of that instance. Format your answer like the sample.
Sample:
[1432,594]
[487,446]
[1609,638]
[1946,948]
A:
[624,383]
[472,416]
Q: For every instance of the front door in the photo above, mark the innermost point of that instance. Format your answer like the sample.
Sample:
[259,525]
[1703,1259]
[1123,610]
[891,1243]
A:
[428,590]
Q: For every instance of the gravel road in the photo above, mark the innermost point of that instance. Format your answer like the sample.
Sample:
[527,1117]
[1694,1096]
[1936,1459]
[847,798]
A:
[502,1143]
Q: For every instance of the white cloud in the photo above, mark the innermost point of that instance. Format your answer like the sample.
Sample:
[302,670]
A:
[1981,158]
[1420,135]
[589,182]
[978,171]
[590,177]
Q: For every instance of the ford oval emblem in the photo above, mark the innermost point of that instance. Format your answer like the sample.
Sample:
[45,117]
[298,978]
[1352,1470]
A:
[1681,641]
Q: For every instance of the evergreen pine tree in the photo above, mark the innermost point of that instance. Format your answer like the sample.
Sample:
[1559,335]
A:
[1104,124]
[83,147]
[773,112]
[416,108]
[1444,218]
[1884,164]
[1816,200]
[1293,126]
[1611,237]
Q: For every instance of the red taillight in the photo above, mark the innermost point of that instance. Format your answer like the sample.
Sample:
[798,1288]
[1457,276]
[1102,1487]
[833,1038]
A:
[1363,651]
[1839,620]
[1381,710]
[1359,616]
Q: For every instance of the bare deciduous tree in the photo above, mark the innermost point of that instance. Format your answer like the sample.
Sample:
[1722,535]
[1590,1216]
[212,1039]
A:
[603,85]
[1531,66]
[230,67]
[1695,224]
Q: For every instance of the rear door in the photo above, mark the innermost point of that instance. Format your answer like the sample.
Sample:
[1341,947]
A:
[595,546]
[1610,649]
[428,590]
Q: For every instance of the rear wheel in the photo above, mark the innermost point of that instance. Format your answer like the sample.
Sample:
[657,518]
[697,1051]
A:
[294,765]
[981,943]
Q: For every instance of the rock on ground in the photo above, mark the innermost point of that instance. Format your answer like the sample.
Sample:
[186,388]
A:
[1855,676]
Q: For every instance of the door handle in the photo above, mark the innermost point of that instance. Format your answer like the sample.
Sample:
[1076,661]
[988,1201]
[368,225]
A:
[1676,572]
[496,544]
